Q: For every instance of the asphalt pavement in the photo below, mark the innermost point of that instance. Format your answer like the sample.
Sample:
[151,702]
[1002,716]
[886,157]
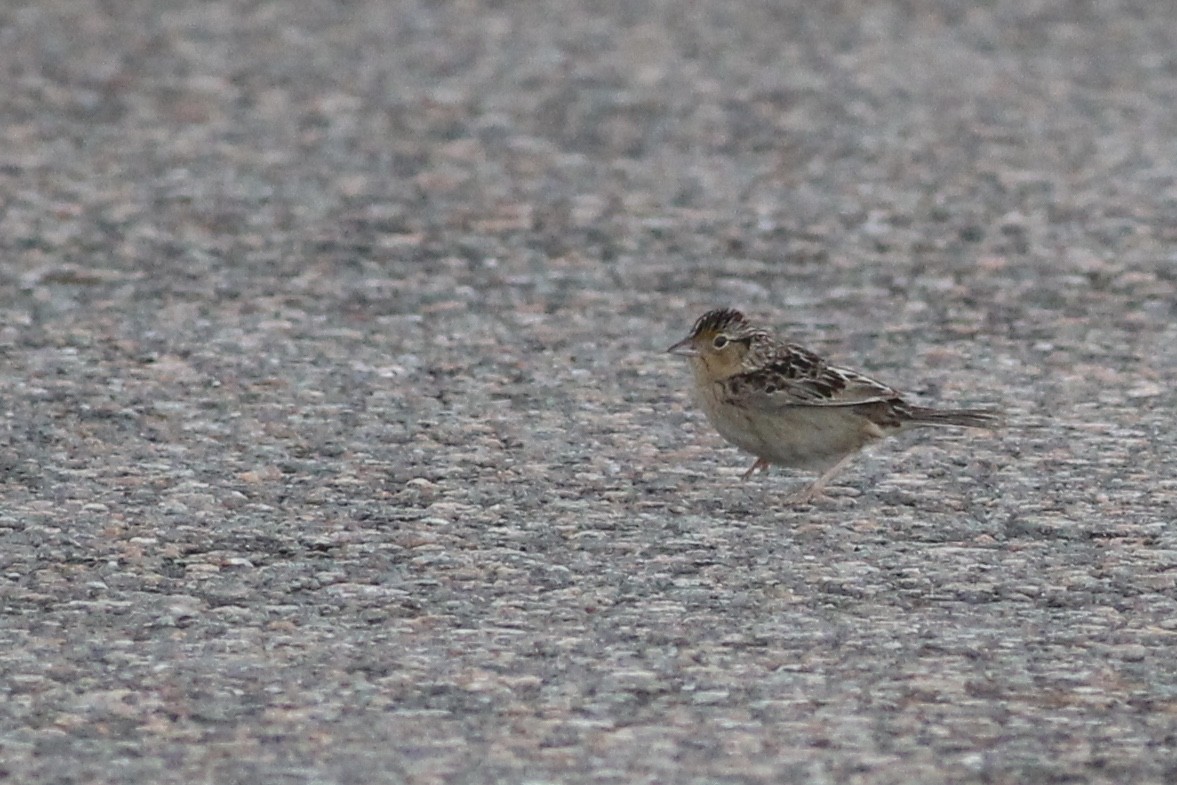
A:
[339,444]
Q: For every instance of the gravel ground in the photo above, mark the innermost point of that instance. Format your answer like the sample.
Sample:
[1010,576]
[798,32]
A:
[339,446]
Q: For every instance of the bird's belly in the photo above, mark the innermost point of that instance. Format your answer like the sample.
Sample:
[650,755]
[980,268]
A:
[803,437]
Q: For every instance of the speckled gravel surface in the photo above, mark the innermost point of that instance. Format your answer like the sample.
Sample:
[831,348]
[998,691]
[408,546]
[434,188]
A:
[338,445]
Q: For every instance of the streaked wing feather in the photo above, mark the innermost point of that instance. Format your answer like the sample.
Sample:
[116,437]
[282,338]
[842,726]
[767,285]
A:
[793,376]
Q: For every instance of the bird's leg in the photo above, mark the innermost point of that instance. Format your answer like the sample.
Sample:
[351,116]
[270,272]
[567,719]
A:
[760,465]
[816,490]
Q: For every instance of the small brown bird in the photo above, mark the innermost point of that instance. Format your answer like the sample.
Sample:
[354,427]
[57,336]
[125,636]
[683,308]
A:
[789,406]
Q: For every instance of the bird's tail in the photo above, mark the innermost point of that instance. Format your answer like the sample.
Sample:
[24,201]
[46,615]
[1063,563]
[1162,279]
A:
[963,418]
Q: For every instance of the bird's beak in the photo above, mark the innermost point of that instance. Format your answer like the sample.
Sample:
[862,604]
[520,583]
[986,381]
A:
[684,348]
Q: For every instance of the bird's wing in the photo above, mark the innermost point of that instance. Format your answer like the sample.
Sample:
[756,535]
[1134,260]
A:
[793,376]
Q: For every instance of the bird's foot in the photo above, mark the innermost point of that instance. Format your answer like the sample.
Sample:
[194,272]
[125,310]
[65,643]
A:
[760,465]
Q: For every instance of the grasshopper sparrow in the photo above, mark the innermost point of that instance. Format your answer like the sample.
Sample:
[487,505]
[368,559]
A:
[788,406]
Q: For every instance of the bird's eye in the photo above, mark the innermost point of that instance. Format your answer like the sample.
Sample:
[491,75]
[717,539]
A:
[720,341]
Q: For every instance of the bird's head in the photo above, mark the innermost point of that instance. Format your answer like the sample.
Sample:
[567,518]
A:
[719,340]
